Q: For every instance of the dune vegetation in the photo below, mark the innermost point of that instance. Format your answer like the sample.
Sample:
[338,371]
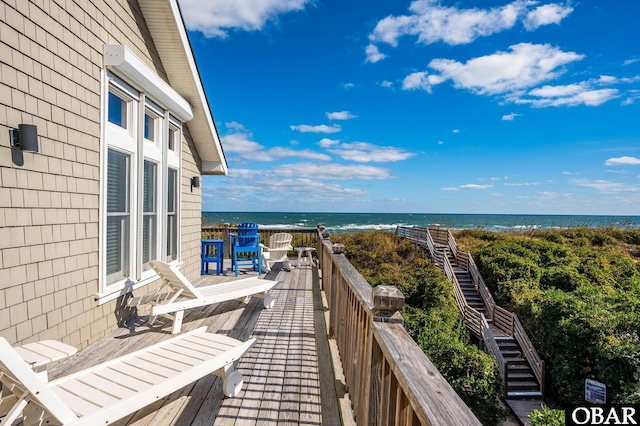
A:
[430,314]
[576,290]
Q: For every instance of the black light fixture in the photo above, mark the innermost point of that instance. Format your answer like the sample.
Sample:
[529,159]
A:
[195,182]
[25,137]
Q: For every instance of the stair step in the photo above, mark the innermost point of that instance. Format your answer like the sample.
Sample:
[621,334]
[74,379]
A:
[519,364]
[526,376]
[522,395]
[521,384]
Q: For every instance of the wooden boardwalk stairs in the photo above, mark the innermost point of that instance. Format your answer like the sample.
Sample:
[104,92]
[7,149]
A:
[498,331]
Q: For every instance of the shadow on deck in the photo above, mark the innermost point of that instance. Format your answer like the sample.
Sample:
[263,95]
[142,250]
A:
[288,377]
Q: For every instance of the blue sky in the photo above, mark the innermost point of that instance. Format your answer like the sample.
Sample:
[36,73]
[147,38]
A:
[422,106]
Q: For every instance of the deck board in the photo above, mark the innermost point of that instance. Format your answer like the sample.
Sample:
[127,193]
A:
[281,371]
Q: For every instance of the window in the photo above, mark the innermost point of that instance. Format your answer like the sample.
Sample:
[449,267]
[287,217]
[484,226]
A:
[118,215]
[149,214]
[141,189]
[172,215]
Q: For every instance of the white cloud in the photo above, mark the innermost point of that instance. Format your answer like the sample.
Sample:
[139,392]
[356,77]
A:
[364,152]
[347,86]
[585,96]
[238,141]
[510,117]
[322,128]
[605,186]
[525,66]
[417,80]
[386,83]
[631,61]
[278,152]
[340,115]
[623,161]
[545,15]
[432,22]
[455,131]
[467,186]
[333,171]
[373,54]
[216,18]
[511,74]
[326,142]
[475,186]
[521,184]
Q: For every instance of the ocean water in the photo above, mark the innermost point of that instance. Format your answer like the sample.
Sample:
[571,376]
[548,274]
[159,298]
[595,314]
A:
[345,222]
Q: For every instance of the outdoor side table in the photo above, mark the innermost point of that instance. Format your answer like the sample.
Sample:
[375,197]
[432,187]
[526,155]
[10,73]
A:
[212,251]
[305,252]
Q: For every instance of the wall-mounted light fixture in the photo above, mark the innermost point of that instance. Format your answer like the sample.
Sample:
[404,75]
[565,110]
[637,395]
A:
[195,182]
[25,137]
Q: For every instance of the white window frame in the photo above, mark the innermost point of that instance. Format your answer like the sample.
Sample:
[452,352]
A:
[139,90]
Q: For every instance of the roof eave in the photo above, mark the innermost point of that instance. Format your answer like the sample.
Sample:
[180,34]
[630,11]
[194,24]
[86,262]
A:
[171,40]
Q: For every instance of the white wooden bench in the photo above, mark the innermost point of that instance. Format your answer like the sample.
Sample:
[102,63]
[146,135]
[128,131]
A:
[178,294]
[110,391]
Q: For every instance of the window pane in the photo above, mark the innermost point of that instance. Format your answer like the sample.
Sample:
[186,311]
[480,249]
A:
[149,127]
[118,216]
[117,110]
[172,137]
[149,218]
[117,248]
[117,182]
[150,188]
[172,216]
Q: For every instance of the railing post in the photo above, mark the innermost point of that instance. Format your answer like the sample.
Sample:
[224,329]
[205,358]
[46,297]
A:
[227,241]
[387,302]
[336,316]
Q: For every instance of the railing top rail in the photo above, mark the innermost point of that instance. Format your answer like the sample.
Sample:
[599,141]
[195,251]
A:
[361,288]
[433,399]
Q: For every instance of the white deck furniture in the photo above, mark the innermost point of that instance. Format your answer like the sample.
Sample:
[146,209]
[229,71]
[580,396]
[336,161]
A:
[305,252]
[41,353]
[177,294]
[277,251]
[110,391]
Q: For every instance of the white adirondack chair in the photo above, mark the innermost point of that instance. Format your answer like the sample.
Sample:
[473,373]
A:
[177,294]
[108,392]
[277,251]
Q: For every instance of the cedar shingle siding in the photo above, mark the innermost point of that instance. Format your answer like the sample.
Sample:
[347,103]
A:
[50,75]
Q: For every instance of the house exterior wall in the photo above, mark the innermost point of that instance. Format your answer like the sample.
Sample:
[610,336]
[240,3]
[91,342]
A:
[51,59]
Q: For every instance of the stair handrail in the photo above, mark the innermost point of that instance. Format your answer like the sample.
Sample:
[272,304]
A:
[451,275]
[478,282]
[536,363]
[491,345]
[453,246]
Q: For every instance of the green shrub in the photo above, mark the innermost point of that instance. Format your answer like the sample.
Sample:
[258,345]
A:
[577,292]
[430,314]
[546,417]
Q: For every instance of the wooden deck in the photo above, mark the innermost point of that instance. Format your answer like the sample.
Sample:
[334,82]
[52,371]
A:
[288,377]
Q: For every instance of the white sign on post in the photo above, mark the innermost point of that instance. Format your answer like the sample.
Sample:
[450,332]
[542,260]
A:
[595,392]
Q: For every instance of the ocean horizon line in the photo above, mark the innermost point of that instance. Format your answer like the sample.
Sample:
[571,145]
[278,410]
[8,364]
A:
[345,222]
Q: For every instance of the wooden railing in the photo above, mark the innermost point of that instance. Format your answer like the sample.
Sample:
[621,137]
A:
[389,379]
[501,318]
[536,363]
[302,237]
